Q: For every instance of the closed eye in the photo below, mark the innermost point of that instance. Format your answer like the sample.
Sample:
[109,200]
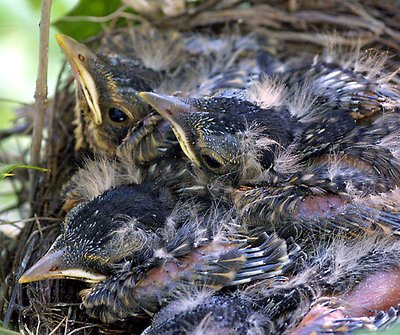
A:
[211,162]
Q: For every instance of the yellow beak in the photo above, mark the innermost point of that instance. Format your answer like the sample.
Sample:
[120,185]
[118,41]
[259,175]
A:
[78,55]
[170,108]
[51,266]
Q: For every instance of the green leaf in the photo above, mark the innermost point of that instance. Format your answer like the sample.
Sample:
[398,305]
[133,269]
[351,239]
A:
[393,330]
[82,29]
[4,331]
[6,169]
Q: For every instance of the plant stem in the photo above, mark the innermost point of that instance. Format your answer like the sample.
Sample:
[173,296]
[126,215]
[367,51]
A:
[40,95]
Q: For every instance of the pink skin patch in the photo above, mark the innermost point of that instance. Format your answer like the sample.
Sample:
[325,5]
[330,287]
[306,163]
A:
[321,206]
[316,319]
[174,270]
[378,292]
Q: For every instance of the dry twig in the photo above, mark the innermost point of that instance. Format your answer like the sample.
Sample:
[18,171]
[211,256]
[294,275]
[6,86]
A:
[40,94]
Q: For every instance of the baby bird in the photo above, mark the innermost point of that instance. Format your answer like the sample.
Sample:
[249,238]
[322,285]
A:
[138,254]
[343,286]
[107,102]
[202,313]
[85,249]
[213,132]
[302,110]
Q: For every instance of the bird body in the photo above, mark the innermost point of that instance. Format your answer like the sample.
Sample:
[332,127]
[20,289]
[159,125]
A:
[136,268]
[205,314]
[212,266]
[339,288]
[353,80]
[289,147]
[322,295]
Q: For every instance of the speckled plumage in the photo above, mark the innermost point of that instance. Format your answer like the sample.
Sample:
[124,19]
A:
[311,152]
[356,277]
[215,132]
[91,230]
[298,151]
[136,268]
[215,315]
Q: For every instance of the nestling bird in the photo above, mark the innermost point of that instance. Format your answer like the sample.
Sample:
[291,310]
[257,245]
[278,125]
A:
[213,132]
[138,254]
[304,110]
[201,313]
[107,102]
[330,292]
[87,248]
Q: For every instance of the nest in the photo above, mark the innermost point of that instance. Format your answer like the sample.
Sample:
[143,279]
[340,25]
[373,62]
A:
[286,26]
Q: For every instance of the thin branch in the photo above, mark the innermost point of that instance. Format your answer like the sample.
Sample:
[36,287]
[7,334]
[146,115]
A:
[16,130]
[119,13]
[40,93]
[12,304]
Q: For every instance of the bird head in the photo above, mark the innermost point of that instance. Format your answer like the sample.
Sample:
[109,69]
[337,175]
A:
[98,236]
[107,88]
[216,133]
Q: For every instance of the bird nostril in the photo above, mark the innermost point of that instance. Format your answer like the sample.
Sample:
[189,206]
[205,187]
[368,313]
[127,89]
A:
[54,268]
[81,57]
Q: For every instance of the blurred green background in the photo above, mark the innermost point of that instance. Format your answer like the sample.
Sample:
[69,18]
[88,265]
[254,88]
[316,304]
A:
[19,47]
[19,53]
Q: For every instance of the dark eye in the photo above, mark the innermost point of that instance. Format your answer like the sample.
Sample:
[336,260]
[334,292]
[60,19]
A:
[117,115]
[211,162]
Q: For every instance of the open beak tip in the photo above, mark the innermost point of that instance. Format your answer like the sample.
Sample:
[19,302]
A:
[150,97]
[59,37]
[62,41]
[169,107]
[23,280]
[29,277]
